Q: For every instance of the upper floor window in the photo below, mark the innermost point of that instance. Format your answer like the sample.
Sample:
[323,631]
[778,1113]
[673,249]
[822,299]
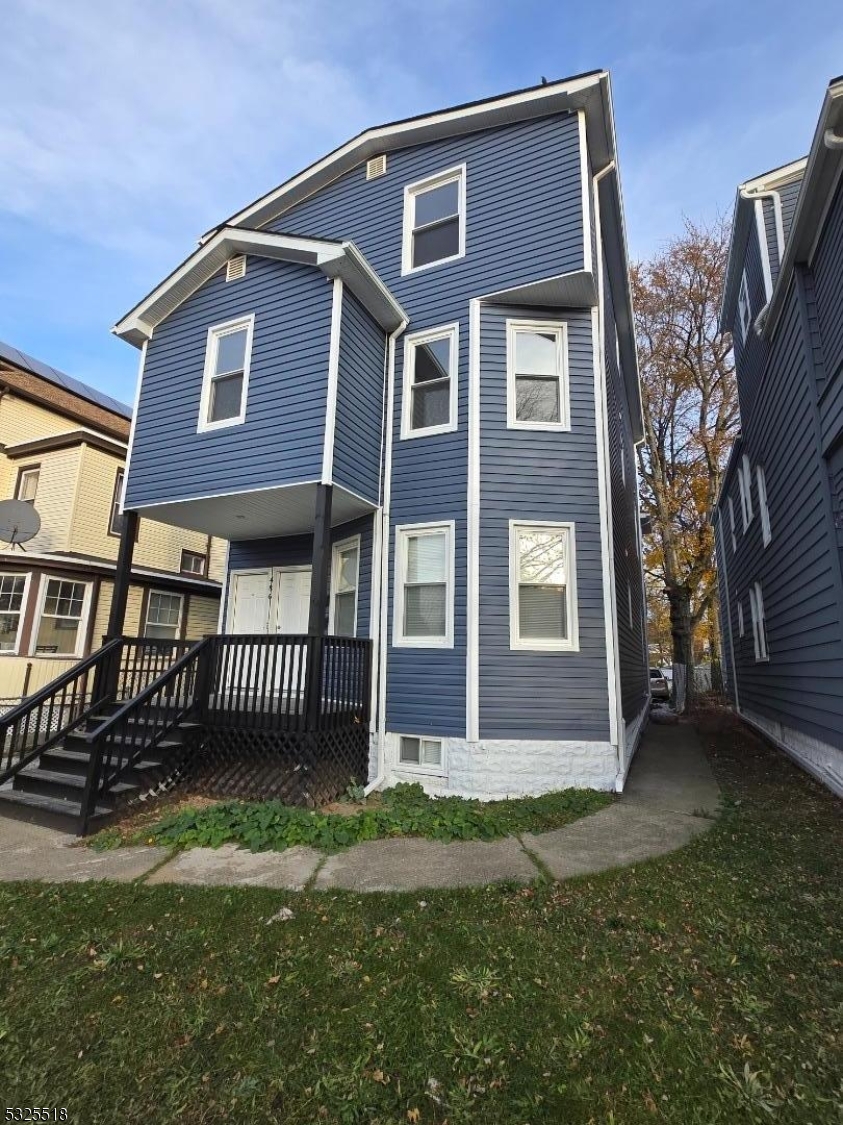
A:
[429,403]
[193,562]
[434,220]
[732,524]
[63,610]
[12,598]
[542,586]
[744,308]
[740,619]
[225,382]
[537,376]
[163,615]
[115,524]
[345,579]
[745,486]
[27,488]
[424,586]
[761,481]
[759,622]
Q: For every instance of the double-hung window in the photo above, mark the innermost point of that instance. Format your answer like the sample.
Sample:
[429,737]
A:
[115,523]
[193,562]
[429,404]
[163,615]
[537,377]
[424,586]
[225,382]
[759,622]
[12,599]
[745,484]
[434,220]
[64,608]
[763,508]
[744,308]
[345,580]
[732,525]
[28,483]
[542,591]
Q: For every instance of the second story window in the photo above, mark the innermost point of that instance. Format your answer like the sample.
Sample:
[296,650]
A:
[115,526]
[763,508]
[225,382]
[429,404]
[434,220]
[28,484]
[745,485]
[192,562]
[537,380]
[744,308]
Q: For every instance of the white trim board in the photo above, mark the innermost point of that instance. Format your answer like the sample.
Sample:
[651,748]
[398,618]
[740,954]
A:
[333,382]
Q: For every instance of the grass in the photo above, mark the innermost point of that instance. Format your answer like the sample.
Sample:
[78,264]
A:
[404,810]
[701,988]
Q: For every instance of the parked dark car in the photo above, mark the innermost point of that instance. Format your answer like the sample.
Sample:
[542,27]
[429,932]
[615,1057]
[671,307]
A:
[659,687]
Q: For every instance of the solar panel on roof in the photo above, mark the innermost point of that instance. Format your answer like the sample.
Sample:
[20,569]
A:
[59,379]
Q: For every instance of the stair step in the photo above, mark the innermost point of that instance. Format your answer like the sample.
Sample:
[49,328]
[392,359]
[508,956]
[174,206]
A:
[20,800]
[63,786]
[63,759]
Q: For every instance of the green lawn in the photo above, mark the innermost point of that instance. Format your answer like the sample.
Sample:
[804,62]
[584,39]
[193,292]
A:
[704,987]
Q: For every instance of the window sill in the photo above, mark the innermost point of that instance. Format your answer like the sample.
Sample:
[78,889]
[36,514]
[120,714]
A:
[420,771]
[545,427]
[211,427]
[430,431]
[407,271]
[547,646]
[423,642]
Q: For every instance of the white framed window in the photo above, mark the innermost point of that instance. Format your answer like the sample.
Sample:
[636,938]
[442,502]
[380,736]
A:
[345,582]
[744,308]
[193,562]
[62,616]
[225,382]
[163,615]
[745,485]
[537,375]
[27,488]
[14,589]
[429,401]
[115,523]
[424,586]
[542,587]
[740,620]
[732,525]
[434,220]
[763,508]
[420,753]
[759,623]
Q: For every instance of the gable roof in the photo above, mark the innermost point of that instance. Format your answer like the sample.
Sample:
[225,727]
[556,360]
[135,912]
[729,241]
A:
[334,259]
[58,378]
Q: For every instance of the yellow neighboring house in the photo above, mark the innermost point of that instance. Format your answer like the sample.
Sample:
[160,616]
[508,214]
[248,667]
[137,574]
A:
[63,449]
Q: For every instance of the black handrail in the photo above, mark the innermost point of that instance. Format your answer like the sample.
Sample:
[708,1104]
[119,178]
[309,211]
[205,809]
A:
[63,704]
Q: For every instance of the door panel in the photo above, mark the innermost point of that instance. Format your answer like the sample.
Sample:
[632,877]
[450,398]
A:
[292,608]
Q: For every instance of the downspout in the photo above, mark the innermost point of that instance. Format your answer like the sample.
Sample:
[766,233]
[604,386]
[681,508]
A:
[380,742]
[756,197]
[723,550]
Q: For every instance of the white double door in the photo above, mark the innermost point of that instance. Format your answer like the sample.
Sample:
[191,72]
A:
[266,602]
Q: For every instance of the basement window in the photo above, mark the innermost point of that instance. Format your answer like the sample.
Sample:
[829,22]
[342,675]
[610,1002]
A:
[420,751]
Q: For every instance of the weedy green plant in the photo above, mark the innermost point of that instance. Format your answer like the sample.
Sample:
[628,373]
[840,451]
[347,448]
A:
[405,810]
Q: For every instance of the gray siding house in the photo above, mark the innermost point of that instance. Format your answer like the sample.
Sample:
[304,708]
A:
[779,519]
[403,386]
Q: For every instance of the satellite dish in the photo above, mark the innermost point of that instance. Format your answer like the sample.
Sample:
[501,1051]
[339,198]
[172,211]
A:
[19,522]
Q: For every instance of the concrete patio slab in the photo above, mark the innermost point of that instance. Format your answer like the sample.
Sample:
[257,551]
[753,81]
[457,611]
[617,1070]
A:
[232,866]
[414,865]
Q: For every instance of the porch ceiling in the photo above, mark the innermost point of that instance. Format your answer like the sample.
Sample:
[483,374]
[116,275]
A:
[288,510]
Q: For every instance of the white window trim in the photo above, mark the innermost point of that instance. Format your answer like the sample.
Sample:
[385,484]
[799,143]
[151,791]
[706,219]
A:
[449,175]
[336,551]
[732,522]
[745,483]
[763,507]
[27,581]
[744,308]
[741,628]
[169,594]
[28,471]
[419,767]
[560,330]
[402,534]
[532,644]
[214,333]
[82,632]
[759,630]
[450,332]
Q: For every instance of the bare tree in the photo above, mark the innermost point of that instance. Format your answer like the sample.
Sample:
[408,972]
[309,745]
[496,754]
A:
[691,417]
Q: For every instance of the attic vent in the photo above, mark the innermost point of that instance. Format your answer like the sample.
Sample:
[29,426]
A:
[376,166]
[235,268]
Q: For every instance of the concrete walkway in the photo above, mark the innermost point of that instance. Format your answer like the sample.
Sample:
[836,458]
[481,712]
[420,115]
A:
[670,797]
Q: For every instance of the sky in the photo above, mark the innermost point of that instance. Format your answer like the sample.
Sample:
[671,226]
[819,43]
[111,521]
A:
[129,127]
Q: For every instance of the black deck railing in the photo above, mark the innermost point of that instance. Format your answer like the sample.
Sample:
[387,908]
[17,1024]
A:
[143,660]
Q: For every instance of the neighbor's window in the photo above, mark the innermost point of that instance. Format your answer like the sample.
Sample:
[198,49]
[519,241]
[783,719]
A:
[745,485]
[744,308]
[12,593]
[115,526]
[763,508]
[434,220]
[193,562]
[424,614]
[28,484]
[226,380]
[345,572]
[759,622]
[537,390]
[430,382]
[732,523]
[59,630]
[741,629]
[163,615]
[420,751]
[542,586]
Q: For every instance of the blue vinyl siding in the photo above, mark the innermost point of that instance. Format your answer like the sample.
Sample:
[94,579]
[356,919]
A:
[360,402]
[789,195]
[751,353]
[529,475]
[281,440]
[297,550]
[728,629]
[772,237]
[828,290]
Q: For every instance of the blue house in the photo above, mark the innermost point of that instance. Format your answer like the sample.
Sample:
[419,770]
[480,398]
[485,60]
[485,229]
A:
[403,386]
[779,520]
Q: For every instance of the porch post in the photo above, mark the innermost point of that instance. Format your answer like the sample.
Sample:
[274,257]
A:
[122,576]
[318,612]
